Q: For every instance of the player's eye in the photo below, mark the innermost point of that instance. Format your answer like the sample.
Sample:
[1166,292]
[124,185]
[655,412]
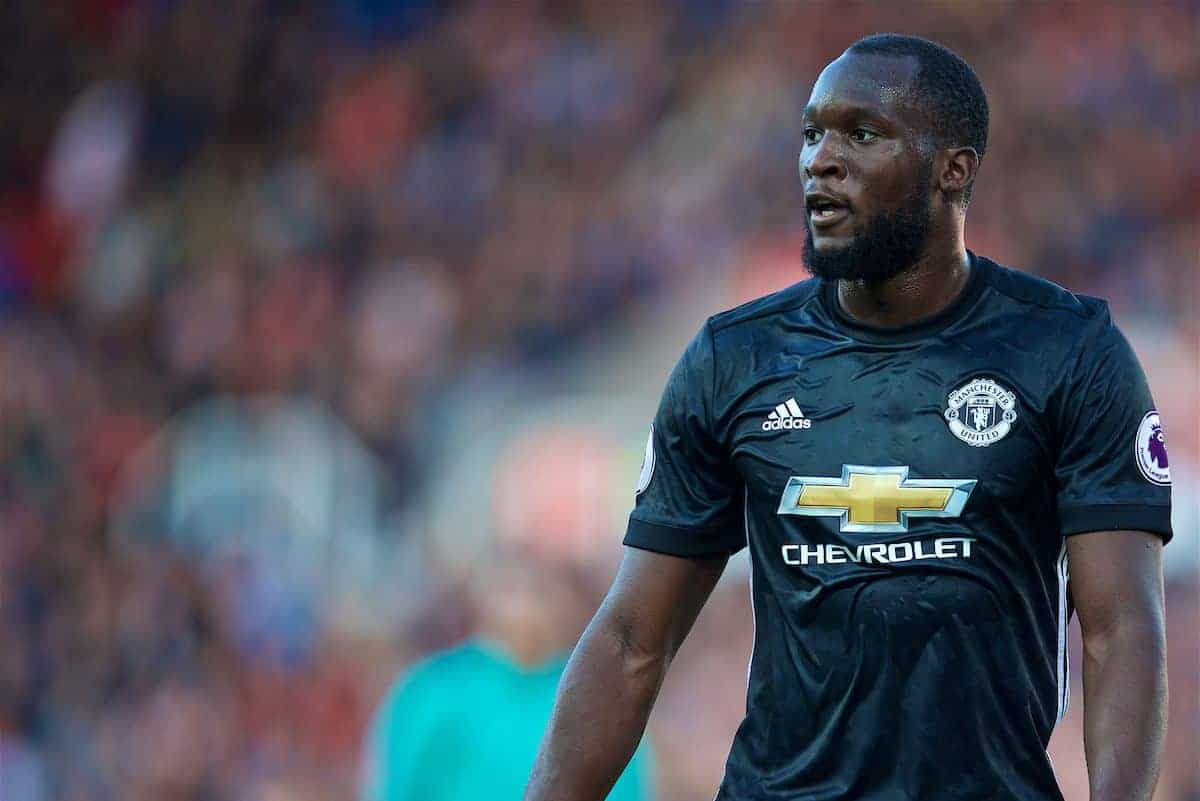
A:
[811,135]
[863,135]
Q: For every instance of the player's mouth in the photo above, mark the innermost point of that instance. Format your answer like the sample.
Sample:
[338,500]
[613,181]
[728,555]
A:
[825,211]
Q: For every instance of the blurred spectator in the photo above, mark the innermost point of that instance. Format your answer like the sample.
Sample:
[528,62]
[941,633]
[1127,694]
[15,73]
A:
[467,722]
[277,489]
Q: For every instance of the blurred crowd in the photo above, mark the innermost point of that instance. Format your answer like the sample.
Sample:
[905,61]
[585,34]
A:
[245,248]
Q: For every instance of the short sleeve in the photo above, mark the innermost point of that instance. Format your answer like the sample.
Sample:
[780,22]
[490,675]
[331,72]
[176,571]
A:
[689,499]
[1112,469]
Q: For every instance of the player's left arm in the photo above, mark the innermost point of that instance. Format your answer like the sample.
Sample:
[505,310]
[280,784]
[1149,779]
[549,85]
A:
[1117,586]
[1114,506]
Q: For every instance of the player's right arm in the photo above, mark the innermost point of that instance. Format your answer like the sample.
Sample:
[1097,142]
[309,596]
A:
[687,520]
[615,673]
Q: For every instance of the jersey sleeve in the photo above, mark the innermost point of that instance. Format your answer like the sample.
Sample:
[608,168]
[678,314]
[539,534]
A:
[1112,470]
[689,498]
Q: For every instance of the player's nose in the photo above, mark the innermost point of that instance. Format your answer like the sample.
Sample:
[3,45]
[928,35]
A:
[822,159]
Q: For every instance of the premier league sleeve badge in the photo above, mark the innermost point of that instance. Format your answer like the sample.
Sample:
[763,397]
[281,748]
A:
[1150,450]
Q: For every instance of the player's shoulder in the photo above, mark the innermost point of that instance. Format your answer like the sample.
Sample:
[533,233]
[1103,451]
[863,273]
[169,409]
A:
[765,307]
[1043,297]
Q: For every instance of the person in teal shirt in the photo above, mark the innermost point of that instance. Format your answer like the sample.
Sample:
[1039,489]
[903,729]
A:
[465,724]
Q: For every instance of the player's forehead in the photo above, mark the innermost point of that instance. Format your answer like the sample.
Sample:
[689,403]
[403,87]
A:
[871,83]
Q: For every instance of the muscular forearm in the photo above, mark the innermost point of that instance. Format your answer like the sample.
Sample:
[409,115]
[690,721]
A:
[603,703]
[1125,711]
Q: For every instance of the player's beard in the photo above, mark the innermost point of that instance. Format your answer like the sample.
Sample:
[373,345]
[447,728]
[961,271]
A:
[890,244]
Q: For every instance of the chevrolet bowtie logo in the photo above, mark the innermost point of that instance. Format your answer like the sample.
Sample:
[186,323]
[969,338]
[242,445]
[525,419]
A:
[875,499]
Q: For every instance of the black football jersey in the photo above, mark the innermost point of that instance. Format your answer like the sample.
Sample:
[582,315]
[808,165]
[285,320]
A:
[906,495]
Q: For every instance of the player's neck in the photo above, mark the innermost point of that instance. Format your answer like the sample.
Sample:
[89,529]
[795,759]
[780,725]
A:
[921,291]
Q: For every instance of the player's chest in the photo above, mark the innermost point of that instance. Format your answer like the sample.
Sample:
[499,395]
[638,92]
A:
[942,416]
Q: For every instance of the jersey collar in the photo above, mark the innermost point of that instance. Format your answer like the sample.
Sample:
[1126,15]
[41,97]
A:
[921,329]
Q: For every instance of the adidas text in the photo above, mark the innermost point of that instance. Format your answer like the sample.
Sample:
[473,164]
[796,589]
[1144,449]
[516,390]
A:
[787,422]
[786,416]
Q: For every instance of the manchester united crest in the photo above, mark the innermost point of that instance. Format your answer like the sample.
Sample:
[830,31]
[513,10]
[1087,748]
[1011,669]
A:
[981,412]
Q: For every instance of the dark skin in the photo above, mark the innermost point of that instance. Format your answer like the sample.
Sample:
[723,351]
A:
[1116,581]
[615,673]
[864,141]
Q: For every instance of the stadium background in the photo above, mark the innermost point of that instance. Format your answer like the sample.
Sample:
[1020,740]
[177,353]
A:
[304,304]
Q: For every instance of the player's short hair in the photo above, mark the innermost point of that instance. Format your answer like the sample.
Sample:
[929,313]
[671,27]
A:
[948,86]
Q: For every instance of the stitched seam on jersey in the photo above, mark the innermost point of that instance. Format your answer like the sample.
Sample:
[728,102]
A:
[1106,504]
[1063,389]
[1081,311]
[1150,518]
[813,295]
[704,529]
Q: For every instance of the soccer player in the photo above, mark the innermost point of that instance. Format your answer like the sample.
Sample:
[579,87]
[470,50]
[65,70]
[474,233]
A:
[933,459]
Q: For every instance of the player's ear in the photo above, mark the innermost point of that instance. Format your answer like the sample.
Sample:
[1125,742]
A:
[958,168]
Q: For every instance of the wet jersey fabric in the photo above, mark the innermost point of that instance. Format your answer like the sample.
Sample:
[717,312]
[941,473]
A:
[906,495]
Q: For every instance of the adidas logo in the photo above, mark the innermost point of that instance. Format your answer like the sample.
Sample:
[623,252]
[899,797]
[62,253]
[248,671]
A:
[786,415]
